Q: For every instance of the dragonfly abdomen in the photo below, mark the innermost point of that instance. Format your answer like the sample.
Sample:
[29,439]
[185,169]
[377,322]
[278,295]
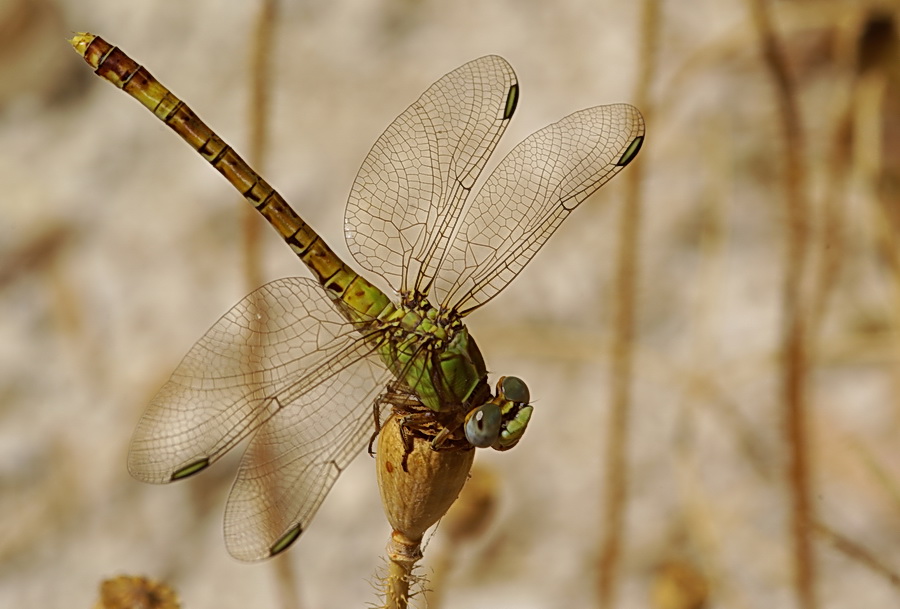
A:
[364,301]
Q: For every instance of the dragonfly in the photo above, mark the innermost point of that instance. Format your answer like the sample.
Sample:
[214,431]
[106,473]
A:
[307,368]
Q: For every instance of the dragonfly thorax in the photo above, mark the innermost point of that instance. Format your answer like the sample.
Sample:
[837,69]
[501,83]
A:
[432,353]
[434,356]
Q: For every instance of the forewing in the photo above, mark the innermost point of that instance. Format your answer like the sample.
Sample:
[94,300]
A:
[528,196]
[408,195]
[272,350]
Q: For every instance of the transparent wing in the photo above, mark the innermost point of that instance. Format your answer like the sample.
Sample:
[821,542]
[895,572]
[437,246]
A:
[295,458]
[277,349]
[528,196]
[408,195]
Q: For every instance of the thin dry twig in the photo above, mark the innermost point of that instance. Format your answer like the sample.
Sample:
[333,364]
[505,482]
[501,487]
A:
[260,83]
[616,474]
[855,551]
[794,340]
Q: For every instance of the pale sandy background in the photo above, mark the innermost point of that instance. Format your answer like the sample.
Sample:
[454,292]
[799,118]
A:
[119,247]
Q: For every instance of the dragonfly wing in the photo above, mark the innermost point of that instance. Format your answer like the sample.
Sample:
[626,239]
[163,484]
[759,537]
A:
[528,196]
[294,459]
[272,350]
[408,196]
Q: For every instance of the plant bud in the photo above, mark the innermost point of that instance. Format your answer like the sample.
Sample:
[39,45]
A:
[416,497]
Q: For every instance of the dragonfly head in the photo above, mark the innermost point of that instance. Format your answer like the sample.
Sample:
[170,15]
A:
[501,422]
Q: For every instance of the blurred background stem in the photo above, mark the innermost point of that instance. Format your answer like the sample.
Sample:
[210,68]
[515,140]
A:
[260,85]
[626,280]
[260,74]
[794,336]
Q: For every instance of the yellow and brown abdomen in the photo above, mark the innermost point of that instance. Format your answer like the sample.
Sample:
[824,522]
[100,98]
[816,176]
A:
[364,301]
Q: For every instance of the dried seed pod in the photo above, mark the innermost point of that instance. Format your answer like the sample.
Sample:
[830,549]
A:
[679,584]
[415,497]
[127,592]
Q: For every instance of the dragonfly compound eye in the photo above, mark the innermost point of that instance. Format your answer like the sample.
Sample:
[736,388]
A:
[483,425]
[513,389]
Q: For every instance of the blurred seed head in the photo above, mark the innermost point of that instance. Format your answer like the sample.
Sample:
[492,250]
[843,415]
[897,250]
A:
[131,592]
[475,508]
[679,584]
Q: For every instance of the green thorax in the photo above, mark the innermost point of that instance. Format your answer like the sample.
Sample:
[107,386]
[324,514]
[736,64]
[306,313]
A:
[433,355]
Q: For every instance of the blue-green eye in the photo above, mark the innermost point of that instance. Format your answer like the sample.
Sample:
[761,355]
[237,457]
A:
[483,425]
[514,389]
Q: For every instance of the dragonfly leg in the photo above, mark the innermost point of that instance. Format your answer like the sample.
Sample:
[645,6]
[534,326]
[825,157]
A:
[412,417]
[442,430]
[377,406]
[409,424]
[376,413]
[439,440]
